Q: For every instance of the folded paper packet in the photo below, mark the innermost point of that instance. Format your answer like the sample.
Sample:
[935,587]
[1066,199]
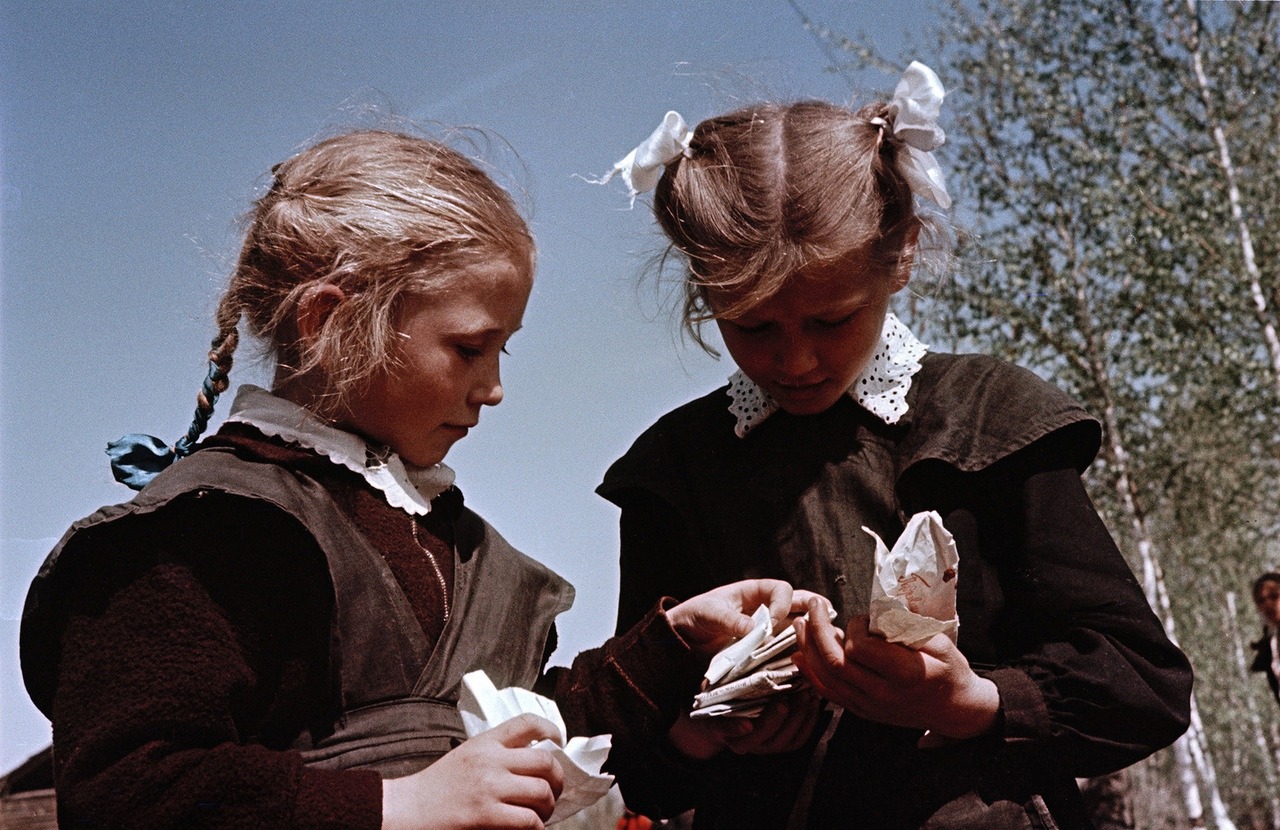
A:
[913,592]
[745,674]
[766,681]
[483,707]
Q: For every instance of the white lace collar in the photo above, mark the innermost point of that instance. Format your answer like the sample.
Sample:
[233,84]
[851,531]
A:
[881,389]
[408,488]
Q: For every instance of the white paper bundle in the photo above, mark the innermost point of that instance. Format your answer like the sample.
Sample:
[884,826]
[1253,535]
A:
[744,675]
[913,592]
[483,707]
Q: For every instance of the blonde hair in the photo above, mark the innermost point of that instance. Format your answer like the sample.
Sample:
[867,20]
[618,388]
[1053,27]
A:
[767,189]
[379,215]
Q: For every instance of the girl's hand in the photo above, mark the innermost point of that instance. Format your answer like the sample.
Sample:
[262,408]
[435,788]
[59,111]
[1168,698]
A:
[710,621]
[931,688]
[495,779]
[783,726]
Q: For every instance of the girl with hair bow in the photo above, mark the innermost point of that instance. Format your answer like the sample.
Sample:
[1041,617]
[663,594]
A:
[797,224]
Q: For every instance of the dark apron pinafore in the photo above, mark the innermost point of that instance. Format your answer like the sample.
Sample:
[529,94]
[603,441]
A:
[397,695]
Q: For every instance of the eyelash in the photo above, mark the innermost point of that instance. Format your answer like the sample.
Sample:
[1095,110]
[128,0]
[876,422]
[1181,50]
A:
[835,324]
[824,324]
[471,353]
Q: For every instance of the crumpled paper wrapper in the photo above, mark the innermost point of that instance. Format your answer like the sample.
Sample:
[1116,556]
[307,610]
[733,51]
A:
[483,707]
[745,674]
[913,592]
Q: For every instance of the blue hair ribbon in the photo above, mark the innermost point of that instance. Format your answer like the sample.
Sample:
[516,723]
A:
[136,459]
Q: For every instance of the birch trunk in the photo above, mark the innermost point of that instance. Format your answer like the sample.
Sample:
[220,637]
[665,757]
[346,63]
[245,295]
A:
[1193,765]
[1251,706]
[1193,759]
[1194,743]
[1275,744]
[1252,274]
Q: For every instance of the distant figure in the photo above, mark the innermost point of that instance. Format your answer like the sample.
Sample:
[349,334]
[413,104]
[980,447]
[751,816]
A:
[1266,596]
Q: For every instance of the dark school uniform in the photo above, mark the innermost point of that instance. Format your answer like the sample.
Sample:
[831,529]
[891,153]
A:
[1048,608]
[258,639]
[1262,661]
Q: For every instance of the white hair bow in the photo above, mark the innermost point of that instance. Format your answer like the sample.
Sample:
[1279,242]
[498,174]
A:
[642,167]
[916,104]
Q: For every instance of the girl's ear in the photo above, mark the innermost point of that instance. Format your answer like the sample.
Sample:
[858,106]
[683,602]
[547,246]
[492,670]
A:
[315,306]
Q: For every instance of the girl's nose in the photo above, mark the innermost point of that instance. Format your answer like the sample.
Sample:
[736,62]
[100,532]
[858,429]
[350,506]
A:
[487,390]
[796,357]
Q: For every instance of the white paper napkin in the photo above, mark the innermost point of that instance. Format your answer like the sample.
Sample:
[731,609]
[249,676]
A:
[483,707]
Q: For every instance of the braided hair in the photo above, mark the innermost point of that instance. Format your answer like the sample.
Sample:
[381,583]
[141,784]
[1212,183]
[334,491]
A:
[375,213]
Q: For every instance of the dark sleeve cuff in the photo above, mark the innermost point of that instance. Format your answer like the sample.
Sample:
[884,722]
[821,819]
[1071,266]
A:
[634,685]
[1023,714]
[332,799]
[659,661]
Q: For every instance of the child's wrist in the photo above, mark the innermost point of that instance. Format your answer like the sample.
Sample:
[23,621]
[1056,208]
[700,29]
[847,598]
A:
[693,741]
[977,711]
[395,808]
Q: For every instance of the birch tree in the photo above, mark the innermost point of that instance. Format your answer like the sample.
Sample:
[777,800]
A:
[1116,170]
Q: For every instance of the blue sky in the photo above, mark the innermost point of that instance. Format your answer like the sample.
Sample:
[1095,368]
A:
[133,136]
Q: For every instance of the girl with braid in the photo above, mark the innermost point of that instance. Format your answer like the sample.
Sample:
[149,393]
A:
[798,223]
[272,633]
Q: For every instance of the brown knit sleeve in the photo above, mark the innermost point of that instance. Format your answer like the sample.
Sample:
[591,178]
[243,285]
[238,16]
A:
[194,650]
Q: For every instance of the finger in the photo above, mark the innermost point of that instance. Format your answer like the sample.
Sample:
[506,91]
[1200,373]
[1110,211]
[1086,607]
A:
[861,646]
[940,647]
[825,681]
[783,726]
[745,739]
[804,647]
[515,816]
[537,763]
[879,656]
[750,594]
[823,661]
[731,728]
[771,719]
[523,730]
[532,793]
[824,644]
[692,739]
[719,625]
[859,627]
[800,601]
[777,594]
[800,655]
[771,722]
[796,729]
